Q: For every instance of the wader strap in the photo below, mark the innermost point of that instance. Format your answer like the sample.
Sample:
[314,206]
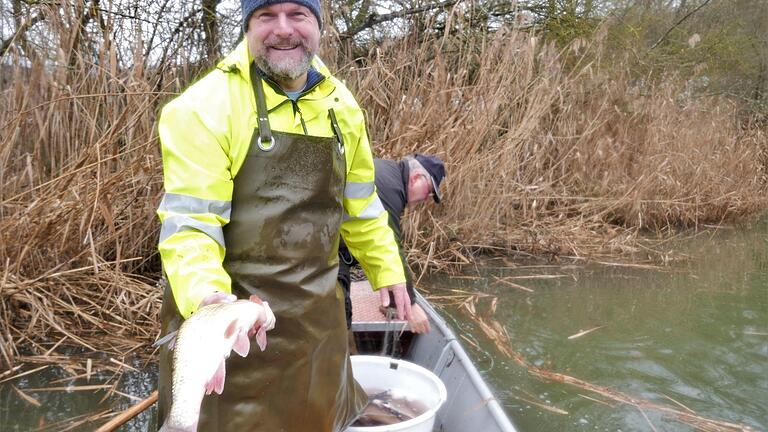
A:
[265,141]
[336,130]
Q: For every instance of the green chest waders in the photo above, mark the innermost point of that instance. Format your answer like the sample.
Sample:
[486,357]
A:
[282,244]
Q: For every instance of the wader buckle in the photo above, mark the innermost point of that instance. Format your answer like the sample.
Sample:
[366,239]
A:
[267,147]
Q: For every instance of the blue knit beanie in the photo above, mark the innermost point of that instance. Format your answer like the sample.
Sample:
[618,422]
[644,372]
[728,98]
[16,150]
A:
[249,6]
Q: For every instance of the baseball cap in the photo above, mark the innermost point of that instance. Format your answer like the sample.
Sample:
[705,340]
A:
[436,170]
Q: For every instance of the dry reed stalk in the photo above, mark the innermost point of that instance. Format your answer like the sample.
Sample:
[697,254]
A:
[128,414]
[25,373]
[27,398]
[512,284]
[543,406]
[584,332]
[75,423]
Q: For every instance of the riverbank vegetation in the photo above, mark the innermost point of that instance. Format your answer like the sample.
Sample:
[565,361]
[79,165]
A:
[590,130]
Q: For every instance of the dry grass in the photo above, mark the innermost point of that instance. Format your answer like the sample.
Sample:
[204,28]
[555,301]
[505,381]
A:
[79,182]
[551,160]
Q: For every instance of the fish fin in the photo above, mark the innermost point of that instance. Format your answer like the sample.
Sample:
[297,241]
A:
[169,339]
[216,384]
[231,329]
[261,338]
[254,298]
[242,344]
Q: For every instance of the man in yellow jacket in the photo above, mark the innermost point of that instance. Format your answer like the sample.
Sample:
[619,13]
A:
[266,161]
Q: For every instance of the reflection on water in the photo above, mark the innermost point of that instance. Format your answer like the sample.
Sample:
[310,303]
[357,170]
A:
[64,402]
[696,333]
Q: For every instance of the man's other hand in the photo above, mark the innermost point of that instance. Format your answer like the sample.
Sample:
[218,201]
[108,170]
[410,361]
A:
[419,322]
[402,300]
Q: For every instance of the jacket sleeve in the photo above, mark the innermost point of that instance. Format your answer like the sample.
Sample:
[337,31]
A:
[365,229]
[408,276]
[196,205]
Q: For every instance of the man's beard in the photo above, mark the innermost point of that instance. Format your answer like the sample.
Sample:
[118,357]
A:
[284,68]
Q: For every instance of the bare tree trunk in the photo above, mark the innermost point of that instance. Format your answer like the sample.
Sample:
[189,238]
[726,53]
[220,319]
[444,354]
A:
[20,32]
[211,30]
[83,15]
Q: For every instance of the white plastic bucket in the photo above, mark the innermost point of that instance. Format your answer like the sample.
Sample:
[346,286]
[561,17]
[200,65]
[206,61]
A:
[375,374]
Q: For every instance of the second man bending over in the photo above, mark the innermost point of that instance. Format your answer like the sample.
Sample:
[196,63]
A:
[399,184]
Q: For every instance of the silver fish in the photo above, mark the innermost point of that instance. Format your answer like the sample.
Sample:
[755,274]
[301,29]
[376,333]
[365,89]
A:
[203,343]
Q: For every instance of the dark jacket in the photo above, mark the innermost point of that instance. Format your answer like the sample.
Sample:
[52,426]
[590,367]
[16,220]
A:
[391,181]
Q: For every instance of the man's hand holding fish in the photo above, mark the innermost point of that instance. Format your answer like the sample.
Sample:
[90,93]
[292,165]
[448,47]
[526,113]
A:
[205,340]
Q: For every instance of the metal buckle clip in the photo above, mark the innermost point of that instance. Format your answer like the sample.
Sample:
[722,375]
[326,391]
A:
[267,147]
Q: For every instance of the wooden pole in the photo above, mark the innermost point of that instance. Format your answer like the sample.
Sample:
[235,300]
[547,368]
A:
[128,414]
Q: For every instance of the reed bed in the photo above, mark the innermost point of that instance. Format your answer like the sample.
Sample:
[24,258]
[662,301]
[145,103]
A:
[79,182]
[557,153]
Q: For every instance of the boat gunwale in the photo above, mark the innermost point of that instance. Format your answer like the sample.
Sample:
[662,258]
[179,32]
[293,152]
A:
[487,396]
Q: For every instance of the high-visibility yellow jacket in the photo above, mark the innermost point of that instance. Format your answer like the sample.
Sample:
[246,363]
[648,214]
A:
[205,134]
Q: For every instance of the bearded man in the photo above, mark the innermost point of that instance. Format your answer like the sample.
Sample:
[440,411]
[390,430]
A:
[266,163]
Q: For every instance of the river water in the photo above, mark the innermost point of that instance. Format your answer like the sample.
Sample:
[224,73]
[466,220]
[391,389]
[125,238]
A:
[695,332]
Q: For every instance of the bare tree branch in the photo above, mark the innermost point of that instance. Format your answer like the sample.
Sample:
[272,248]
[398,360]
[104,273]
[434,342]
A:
[375,18]
[86,14]
[211,29]
[680,21]
[26,25]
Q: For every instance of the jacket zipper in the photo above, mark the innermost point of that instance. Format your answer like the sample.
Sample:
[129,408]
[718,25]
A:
[297,110]
[296,103]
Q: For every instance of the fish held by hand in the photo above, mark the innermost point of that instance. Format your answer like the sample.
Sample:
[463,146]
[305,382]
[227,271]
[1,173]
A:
[202,345]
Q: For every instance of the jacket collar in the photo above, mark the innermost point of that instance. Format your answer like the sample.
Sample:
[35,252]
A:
[239,61]
[313,79]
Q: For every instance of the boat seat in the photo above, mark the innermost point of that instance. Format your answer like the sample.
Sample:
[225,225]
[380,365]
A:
[366,313]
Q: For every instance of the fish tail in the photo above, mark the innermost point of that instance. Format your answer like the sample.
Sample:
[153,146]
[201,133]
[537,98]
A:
[169,339]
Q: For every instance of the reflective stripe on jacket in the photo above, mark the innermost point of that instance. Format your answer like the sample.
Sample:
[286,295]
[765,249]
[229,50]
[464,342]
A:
[205,134]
